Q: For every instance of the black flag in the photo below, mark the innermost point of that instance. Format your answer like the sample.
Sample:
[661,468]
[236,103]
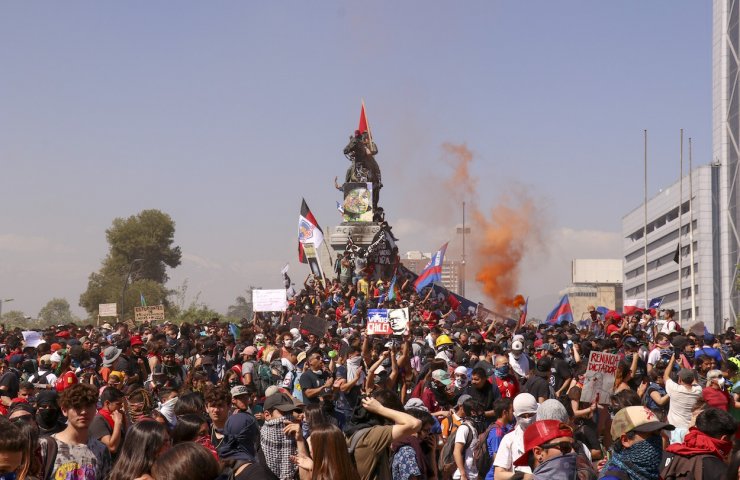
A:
[678,253]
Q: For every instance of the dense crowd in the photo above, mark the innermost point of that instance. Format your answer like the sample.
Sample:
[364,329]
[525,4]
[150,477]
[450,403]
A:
[454,396]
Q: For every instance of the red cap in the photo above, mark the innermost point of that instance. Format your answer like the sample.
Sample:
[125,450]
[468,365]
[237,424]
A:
[63,334]
[54,347]
[539,433]
[136,340]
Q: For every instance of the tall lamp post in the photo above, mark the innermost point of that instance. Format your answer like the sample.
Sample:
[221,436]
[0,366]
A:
[464,231]
[125,284]
[1,305]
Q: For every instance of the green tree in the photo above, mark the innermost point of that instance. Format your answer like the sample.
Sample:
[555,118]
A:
[241,309]
[195,311]
[140,250]
[56,312]
[14,318]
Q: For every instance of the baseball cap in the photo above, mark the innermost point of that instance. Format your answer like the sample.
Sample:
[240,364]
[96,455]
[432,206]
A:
[442,377]
[250,350]
[281,402]
[239,390]
[301,357]
[539,433]
[136,340]
[462,399]
[636,419]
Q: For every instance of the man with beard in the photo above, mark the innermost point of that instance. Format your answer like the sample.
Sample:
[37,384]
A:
[174,372]
[48,414]
[483,392]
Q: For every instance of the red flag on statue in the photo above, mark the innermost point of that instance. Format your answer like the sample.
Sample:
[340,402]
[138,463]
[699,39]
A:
[364,125]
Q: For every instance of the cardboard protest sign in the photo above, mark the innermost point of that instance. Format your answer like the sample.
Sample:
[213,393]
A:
[313,324]
[399,321]
[149,314]
[107,310]
[599,381]
[32,339]
[269,300]
[377,322]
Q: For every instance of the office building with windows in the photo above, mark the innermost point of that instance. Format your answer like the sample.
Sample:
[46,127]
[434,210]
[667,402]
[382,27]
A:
[668,218]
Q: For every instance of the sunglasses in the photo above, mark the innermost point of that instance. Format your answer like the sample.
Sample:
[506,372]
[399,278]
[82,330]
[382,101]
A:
[564,447]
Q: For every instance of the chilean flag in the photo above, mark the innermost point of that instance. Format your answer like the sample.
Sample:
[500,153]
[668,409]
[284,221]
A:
[561,312]
[631,305]
[433,271]
[308,231]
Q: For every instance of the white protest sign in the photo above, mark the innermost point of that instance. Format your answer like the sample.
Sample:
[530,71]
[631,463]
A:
[32,339]
[599,381]
[151,313]
[377,322]
[269,300]
[399,320]
[107,310]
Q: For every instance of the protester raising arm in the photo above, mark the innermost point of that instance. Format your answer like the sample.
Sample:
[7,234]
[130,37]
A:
[371,373]
[404,424]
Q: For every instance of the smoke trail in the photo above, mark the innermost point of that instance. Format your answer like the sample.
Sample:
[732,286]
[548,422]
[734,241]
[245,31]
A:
[501,238]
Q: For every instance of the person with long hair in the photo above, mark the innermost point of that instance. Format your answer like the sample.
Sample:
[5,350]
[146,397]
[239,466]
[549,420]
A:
[329,458]
[193,428]
[186,461]
[14,451]
[144,442]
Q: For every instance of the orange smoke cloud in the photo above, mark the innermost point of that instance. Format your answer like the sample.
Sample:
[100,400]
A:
[500,239]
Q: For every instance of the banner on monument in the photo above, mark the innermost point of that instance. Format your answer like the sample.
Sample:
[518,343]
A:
[107,310]
[269,300]
[377,322]
[358,202]
[599,381]
[398,319]
[149,314]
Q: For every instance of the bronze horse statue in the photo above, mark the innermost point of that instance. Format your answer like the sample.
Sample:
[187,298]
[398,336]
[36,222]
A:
[361,151]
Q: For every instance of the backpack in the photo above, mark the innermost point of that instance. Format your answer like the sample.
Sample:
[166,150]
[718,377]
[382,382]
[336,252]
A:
[482,458]
[262,378]
[42,379]
[446,465]
[680,467]
[49,456]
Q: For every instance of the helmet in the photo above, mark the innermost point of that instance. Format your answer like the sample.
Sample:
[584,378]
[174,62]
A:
[442,340]
[736,361]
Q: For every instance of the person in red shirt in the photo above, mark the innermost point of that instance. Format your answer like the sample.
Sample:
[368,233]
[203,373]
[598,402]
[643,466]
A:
[506,382]
[714,393]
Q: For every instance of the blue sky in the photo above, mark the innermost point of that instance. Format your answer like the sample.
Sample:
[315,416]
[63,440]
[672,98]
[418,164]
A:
[225,114]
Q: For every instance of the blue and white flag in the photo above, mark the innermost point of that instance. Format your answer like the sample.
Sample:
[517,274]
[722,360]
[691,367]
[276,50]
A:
[433,271]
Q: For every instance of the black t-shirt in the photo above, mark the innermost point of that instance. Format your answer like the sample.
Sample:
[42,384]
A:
[11,383]
[538,386]
[560,372]
[99,428]
[255,471]
[311,380]
[486,396]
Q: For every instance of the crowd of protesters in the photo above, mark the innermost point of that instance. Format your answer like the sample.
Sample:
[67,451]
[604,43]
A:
[454,396]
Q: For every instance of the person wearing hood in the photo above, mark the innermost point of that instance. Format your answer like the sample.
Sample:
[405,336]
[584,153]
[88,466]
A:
[638,445]
[461,381]
[548,451]
[512,445]
[238,448]
[705,449]
[48,413]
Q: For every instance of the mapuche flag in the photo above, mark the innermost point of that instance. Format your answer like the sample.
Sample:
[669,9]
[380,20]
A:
[433,271]
[562,312]
[308,231]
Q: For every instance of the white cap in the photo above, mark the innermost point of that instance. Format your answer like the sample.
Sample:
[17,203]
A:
[55,358]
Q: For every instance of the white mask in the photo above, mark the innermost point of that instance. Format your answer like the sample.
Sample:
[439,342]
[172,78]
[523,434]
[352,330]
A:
[524,423]
[721,382]
[288,343]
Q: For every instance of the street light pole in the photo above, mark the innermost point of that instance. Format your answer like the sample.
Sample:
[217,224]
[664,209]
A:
[125,284]
[1,305]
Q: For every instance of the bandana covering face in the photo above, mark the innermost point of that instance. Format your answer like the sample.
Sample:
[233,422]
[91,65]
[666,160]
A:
[278,448]
[641,461]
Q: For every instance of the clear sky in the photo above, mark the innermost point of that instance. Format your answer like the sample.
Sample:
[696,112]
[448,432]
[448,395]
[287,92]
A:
[225,114]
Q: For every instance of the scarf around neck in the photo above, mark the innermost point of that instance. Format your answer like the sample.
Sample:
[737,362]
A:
[107,417]
[697,442]
[641,461]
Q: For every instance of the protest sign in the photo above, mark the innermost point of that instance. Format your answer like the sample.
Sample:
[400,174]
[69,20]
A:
[377,322]
[599,381]
[269,300]
[399,321]
[313,324]
[32,339]
[358,202]
[149,314]
[107,310]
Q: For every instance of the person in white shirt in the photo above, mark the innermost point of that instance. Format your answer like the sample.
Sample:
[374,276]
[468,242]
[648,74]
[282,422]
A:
[683,397]
[45,375]
[512,445]
[466,439]
[670,324]
[520,363]
[662,349]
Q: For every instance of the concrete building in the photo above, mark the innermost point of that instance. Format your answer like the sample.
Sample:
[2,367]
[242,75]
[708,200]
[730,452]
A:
[726,147]
[452,270]
[596,282]
[663,237]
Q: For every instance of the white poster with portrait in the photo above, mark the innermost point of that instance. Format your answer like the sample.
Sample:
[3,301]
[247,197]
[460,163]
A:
[399,320]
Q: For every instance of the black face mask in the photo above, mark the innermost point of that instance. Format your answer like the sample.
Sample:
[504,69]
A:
[47,418]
